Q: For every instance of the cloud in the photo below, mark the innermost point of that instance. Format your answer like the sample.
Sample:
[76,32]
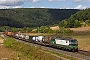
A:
[81,7]
[87,0]
[55,0]
[4,7]
[64,7]
[36,1]
[8,7]
[11,2]
[16,2]
[6,4]
[37,7]
[32,7]
[77,7]
[81,1]
[42,7]
[17,7]
[77,0]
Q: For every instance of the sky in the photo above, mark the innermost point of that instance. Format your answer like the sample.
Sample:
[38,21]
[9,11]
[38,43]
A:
[56,4]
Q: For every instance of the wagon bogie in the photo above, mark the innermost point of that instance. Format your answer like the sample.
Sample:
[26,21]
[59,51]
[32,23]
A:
[76,50]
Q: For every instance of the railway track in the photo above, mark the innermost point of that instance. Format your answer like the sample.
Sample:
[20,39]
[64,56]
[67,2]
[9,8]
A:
[82,52]
[83,55]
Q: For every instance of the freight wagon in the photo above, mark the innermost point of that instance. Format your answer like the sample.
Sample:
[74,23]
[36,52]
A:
[57,42]
[8,33]
[52,41]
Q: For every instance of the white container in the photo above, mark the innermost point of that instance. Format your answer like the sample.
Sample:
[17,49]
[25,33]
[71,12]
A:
[41,38]
[35,38]
[17,35]
[26,37]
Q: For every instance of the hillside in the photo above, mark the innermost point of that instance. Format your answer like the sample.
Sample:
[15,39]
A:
[79,19]
[33,17]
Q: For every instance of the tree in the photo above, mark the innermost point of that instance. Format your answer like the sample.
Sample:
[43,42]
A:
[87,22]
[77,24]
[63,23]
[3,28]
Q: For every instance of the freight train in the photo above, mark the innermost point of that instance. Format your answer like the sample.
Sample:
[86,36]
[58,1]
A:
[63,43]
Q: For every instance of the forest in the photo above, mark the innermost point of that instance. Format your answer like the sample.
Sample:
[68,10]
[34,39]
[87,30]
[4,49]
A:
[33,17]
[79,19]
[28,19]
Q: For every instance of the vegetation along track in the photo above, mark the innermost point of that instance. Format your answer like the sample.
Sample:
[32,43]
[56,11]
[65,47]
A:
[80,54]
[83,55]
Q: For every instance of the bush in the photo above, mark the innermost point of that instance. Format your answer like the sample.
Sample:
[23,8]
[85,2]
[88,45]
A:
[63,30]
[68,31]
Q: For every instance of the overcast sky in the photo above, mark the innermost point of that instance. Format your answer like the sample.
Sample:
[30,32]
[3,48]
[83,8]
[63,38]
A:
[59,4]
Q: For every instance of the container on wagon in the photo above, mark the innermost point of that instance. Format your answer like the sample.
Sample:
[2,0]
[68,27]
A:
[26,37]
[16,35]
[35,39]
[47,39]
[40,38]
[9,33]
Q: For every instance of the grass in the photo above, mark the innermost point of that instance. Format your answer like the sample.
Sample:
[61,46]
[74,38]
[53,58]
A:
[63,55]
[83,40]
[9,54]
[82,37]
[31,52]
[36,53]
[38,34]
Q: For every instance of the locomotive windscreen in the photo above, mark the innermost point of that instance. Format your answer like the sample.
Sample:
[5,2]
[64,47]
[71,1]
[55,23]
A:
[73,42]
